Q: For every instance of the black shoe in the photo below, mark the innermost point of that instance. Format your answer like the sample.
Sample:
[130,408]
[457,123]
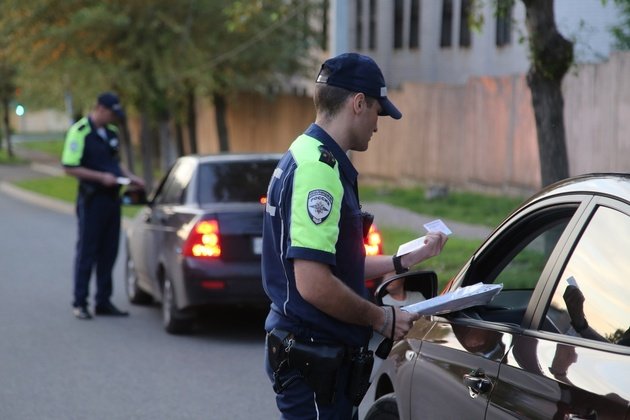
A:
[109,309]
[81,312]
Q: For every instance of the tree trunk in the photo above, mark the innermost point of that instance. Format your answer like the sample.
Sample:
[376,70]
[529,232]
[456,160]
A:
[126,144]
[191,119]
[179,139]
[147,150]
[5,121]
[167,147]
[220,111]
[551,58]
[7,128]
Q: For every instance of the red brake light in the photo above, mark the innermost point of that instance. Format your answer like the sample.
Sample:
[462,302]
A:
[373,242]
[263,200]
[203,240]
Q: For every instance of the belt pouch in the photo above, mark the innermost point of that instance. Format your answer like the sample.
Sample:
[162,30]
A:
[360,371]
[276,344]
[319,365]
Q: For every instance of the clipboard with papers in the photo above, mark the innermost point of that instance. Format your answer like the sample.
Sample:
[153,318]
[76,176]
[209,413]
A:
[462,298]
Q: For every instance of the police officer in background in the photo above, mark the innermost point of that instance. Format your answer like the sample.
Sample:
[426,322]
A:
[313,261]
[91,155]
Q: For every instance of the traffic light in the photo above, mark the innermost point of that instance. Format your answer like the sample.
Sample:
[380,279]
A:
[20,110]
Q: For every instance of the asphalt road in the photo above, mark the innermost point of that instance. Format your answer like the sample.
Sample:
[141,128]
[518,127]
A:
[53,366]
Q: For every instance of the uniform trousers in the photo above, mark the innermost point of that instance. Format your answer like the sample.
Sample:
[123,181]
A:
[97,245]
[298,402]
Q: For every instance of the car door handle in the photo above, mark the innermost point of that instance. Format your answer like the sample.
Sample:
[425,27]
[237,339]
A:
[477,383]
[574,416]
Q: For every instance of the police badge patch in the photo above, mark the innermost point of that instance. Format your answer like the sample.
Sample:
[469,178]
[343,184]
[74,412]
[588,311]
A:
[319,204]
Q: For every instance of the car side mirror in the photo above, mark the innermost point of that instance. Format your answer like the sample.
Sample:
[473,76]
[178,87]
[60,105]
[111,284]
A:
[423,281]
[134,197]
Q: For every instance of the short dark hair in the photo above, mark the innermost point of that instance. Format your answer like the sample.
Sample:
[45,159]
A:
[329,99]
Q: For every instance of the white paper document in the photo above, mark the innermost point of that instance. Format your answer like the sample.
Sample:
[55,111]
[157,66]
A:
[462,298]
[437,226]
[434,226]
[123,181]
[407,247]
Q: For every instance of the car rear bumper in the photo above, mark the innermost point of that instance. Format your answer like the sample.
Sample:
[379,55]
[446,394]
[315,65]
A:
[220,283]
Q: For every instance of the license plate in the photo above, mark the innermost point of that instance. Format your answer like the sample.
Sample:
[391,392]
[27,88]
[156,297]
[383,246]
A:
[257,245]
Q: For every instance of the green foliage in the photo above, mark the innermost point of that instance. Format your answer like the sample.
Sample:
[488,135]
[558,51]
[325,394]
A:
[621,32]
[153,52]
[5,159]
[488,210]
[63,188]
[60,187]
[455,254]
[50,147]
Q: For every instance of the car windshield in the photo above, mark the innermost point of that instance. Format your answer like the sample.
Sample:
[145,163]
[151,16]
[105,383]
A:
[238,181]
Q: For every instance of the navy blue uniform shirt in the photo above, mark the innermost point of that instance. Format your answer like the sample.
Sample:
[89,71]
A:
[313,213]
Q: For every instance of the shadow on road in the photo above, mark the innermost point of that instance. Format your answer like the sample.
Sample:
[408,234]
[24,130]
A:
[232,323]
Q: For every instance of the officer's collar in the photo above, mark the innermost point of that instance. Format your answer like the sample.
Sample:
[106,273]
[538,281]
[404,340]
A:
[345,165]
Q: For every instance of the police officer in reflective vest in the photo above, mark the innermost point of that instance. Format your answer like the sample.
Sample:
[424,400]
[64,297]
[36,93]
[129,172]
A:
[91,155]
[314,263]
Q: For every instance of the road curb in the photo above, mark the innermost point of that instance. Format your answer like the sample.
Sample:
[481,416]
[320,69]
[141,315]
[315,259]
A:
[37,199]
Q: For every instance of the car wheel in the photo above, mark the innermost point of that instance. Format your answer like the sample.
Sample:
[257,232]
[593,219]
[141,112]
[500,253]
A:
[385,408]
[175,322]
[134,293]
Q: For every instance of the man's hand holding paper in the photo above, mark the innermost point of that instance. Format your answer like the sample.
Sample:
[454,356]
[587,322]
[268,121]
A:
[426,246]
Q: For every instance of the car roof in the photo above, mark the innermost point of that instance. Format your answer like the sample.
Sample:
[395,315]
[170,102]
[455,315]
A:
[607,184]
[233,157]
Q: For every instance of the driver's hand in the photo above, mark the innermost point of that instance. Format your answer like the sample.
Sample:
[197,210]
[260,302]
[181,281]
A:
[574,299]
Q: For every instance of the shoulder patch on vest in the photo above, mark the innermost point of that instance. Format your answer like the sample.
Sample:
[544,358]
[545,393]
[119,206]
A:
[319,204]
[326,157]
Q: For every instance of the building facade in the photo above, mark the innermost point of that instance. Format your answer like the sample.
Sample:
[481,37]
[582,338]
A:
[431,41]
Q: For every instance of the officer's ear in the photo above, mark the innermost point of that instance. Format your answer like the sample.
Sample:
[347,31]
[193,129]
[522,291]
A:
[359,102]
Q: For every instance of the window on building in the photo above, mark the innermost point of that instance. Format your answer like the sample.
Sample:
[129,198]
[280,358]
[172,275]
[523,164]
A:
[464,25]
[447,23]
[372,33]
[504,23]
[359,24]
[414,27]
[399,14]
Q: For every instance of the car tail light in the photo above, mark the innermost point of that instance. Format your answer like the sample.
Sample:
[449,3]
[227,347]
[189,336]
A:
[263,200]
[373,242]
[203,240]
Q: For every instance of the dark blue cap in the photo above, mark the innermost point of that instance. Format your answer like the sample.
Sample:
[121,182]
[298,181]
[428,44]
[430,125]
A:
[110,101]
[358,73]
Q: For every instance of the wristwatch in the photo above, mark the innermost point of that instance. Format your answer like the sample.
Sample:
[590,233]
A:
[398,265]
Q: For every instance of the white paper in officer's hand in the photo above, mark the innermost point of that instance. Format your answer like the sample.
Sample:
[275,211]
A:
[437,226]
[407,247]
[123,181]
[434,226]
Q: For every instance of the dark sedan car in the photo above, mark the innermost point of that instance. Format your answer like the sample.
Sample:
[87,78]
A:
[198,241]
[553,344]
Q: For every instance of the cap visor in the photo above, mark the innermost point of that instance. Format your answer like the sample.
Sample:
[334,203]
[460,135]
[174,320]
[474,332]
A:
[388,108]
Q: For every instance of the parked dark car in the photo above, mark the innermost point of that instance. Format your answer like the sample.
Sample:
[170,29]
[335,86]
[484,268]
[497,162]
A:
[198,240]
[563,258]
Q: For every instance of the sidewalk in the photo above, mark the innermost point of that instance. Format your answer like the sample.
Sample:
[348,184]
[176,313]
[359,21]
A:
[41,165]
[384,214]
[391,216]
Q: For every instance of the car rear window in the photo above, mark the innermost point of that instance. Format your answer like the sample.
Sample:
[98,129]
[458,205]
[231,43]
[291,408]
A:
[239,181]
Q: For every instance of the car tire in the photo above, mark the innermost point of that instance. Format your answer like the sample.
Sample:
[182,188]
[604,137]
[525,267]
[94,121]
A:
[174,321]
[135,295]
[385,408]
